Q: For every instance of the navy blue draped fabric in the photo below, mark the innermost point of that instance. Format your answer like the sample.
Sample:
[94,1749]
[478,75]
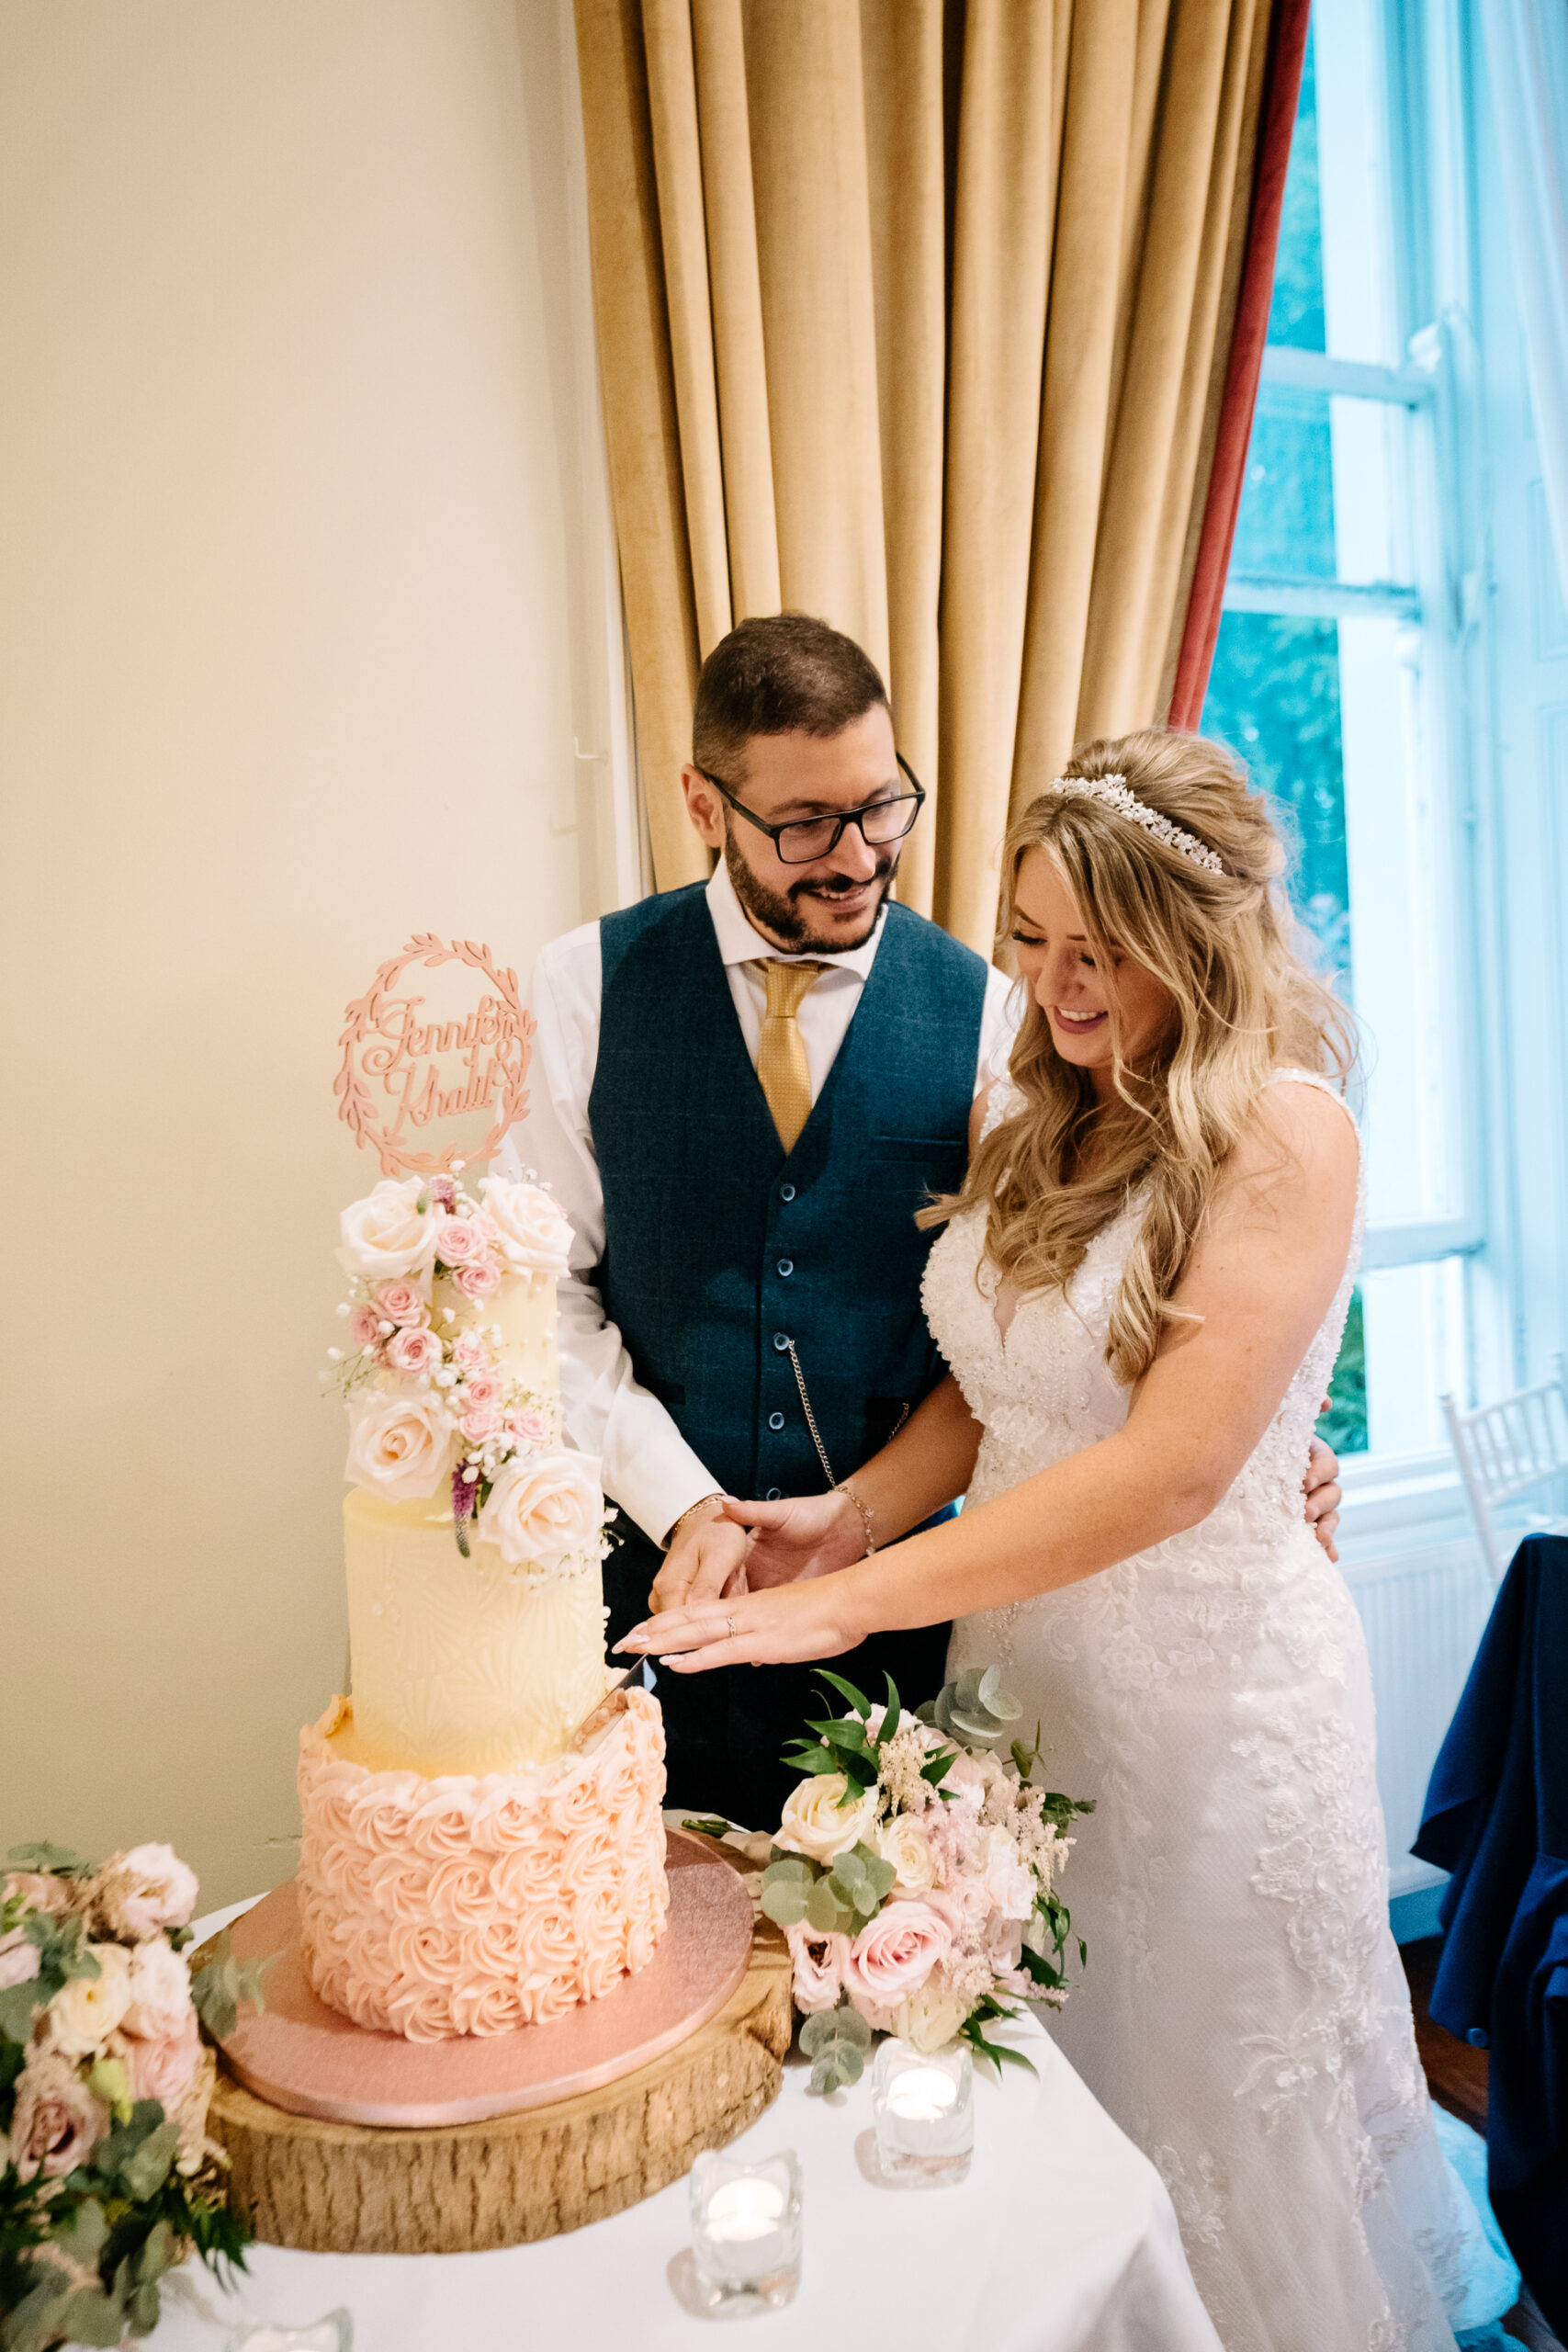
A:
[1496,1816]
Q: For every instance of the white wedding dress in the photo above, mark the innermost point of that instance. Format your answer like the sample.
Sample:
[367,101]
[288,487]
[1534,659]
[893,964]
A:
[1244,2014]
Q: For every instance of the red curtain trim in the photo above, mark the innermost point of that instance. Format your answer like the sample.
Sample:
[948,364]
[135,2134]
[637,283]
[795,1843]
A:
[1281,92]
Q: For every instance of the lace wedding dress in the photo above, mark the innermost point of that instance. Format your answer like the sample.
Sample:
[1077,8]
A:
[1244,2014]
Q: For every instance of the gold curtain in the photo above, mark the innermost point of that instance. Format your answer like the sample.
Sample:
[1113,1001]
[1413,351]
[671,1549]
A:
[914,314]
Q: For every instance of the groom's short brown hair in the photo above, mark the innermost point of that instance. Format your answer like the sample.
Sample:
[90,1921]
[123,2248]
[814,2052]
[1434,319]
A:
[772,675]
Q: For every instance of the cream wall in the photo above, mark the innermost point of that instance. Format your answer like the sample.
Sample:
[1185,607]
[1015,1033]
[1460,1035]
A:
[303,599]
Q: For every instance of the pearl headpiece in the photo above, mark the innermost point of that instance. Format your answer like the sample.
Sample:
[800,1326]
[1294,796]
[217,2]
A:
[1115,792]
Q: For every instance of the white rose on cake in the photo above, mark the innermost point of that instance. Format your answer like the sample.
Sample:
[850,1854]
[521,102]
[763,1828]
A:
[543,1507]
[387,1237]
[401,1446]
[534,1237]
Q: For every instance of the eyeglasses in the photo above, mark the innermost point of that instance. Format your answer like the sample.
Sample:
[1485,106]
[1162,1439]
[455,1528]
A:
[806,839]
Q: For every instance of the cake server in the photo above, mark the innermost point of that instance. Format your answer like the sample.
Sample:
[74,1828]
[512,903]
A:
[604,1710]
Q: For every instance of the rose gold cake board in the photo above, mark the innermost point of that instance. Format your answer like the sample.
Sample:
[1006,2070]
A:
[343,2188]
[312,2059]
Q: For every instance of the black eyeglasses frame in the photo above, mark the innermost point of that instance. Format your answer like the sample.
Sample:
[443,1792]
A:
[849,817]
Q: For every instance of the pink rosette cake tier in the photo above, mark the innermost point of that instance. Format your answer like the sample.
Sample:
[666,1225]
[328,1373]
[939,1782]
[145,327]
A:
[477,1903]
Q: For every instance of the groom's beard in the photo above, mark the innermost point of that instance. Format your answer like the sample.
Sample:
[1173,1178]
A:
[788,918]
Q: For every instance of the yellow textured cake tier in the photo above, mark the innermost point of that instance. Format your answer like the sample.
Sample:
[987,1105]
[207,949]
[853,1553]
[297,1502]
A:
[463,1666]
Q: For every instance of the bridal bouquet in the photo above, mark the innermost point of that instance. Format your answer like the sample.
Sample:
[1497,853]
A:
[106,2175]
[914,1876]
[434,1411]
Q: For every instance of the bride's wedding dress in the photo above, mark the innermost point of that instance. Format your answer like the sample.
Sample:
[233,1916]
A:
[1244,2014]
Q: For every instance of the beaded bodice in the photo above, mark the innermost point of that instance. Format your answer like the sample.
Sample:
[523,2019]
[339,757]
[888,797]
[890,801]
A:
[1043,1389]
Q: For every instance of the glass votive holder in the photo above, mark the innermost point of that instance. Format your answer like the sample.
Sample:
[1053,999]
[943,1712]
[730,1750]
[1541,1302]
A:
[333,2333]
[746,2232]
[924,2105]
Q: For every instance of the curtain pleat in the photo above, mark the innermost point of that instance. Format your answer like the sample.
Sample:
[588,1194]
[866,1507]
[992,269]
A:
[916,315]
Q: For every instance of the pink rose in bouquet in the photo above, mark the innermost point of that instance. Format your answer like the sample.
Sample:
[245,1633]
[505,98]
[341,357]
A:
[160,1992]
[162,2069]
[40,1890]
[819,1962]
[892,1957]
[18,1960]
[57,2123]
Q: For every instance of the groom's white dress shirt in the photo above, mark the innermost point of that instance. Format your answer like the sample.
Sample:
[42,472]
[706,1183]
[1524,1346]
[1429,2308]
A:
[647,1465]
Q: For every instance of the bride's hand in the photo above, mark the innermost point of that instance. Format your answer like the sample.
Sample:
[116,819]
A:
[804,1535]
[787,1626]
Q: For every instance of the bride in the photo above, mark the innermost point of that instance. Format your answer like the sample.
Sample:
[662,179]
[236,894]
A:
[1141,1290]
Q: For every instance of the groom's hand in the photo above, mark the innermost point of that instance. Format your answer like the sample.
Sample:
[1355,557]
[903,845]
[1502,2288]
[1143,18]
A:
[1321,1487]
[705,1561]
[804,1535]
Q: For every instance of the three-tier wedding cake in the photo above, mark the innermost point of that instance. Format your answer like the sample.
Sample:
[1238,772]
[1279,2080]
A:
[472,1862]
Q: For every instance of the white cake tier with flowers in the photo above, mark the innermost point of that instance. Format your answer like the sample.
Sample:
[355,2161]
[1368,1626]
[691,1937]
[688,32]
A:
[473,1540]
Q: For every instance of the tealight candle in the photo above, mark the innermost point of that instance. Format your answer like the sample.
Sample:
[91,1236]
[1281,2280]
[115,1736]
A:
[923,2102]
[745,2230]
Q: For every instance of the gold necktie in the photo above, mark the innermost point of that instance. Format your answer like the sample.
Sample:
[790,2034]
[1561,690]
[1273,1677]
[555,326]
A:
[781,1054]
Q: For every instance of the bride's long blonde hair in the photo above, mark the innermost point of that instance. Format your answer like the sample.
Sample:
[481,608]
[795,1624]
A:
[1063,1164]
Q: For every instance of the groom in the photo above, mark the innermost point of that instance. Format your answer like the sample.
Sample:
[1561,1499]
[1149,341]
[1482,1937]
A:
[740,1093]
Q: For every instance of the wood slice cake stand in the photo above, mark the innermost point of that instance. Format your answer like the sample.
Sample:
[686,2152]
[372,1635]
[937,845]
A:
[504,2139]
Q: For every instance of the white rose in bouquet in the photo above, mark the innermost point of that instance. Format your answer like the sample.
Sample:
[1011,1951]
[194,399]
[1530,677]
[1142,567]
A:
[543,1507]
[535,1236]
[145,1889]
[86,2011]
[387,1237]
[817,1821]
[1007,1877]
[401,1446]
[904,1843]
[930,2017]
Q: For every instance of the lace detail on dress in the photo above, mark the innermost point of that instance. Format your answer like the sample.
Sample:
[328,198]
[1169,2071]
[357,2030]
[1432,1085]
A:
[1244,2014]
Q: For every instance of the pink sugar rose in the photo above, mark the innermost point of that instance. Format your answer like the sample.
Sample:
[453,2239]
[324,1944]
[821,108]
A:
[529,1428]
[481,1422]
[162,2069]
[57,2123]
[477,1279]
[894,1954]
[471,1351]
[457,1241]
[481,1389]
[365,1326]
[819,1962]
[401,1303]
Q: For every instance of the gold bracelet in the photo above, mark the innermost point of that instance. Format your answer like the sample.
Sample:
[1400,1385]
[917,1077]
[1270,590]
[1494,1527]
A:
[844,1489]
[690,1512]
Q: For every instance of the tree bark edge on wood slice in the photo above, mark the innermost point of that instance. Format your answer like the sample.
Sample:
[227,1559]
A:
[349,2188]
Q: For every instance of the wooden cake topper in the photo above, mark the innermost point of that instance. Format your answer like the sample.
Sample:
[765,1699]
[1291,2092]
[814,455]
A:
[405,1067]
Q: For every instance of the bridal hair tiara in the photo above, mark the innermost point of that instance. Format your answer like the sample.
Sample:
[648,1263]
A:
[1115,792]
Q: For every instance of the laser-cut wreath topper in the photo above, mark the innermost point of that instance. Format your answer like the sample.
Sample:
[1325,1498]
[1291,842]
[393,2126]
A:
[404,1069]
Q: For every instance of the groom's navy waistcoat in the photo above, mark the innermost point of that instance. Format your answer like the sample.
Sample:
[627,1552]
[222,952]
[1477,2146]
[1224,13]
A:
[720,1247]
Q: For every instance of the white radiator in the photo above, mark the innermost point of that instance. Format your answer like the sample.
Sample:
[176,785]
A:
[1424,1612]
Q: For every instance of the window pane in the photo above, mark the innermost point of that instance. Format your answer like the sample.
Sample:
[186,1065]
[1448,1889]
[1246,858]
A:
[1351,125]
[1344,1426]
[1285,529]
[1274,698]
[1404,1349]
[1295,316]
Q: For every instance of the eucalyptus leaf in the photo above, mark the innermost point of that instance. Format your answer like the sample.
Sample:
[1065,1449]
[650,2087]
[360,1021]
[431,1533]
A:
[89,2316]
[785,1900]
[783,1863]
[35,2322]
[83,2233]
[17,2003]
[63,1860]
[826,1913]
[836,2041]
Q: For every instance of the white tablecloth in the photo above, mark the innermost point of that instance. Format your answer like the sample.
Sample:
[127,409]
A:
[1061,2239]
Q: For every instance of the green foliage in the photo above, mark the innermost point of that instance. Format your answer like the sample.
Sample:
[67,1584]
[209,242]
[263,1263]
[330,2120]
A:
[710,1827]
[974,1709]
[63,1954]
[1344,1426]
[222,1982]
[1296,314]
[836,2042]
[833,1898]
[62,1860]
[986,2011]
[847,1744]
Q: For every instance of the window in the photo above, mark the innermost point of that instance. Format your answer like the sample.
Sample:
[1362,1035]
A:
[1334,678]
